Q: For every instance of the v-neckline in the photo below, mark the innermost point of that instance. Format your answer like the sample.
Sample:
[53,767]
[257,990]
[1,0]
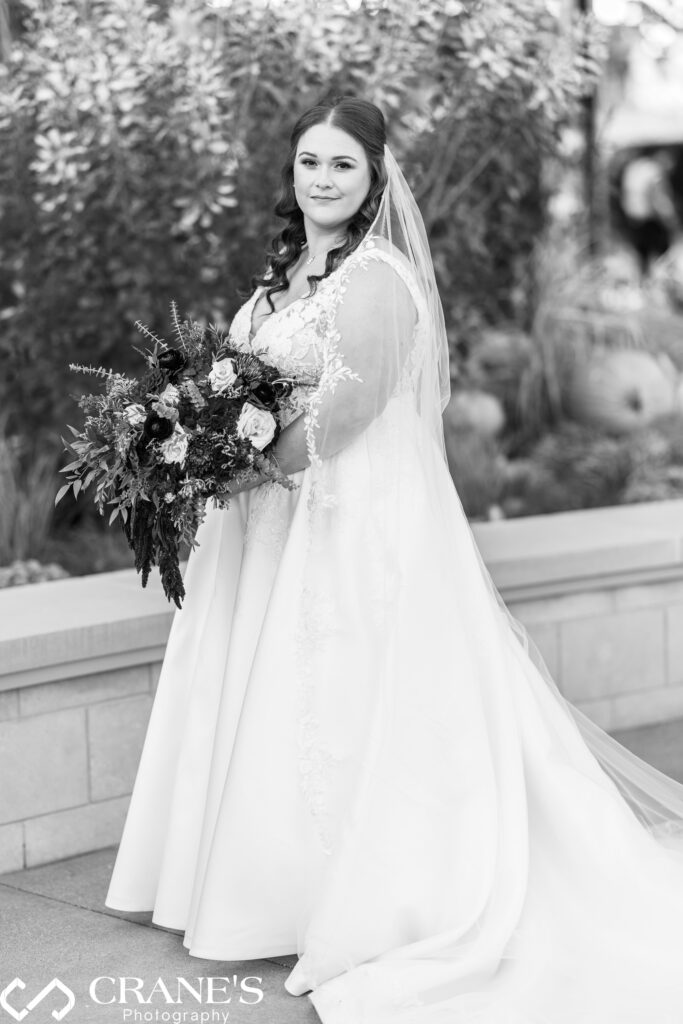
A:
[259,292]
[257,295]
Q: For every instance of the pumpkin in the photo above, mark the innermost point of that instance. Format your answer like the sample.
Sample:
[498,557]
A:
[475,410]
[498,359]
[620,390]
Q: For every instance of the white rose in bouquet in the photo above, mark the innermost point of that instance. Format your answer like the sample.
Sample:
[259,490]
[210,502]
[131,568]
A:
[257,425]
[170,395]
[174,448]
[135,414]
[222,375]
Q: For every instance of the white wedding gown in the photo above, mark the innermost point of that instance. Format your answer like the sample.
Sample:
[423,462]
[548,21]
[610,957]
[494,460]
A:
[428,827]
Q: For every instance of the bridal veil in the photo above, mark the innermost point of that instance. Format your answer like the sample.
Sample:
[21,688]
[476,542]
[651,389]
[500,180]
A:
[422,699]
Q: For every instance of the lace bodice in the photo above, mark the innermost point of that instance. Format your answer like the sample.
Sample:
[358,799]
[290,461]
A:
[301,337]
[291,338]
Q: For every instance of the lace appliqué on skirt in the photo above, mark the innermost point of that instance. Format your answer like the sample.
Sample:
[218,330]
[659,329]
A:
[316,760]
[268,519]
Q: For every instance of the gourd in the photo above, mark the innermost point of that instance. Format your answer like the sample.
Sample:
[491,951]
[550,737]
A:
[475,410]
[620,390]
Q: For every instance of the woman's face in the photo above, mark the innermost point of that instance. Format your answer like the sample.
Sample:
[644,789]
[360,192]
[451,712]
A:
[331,176]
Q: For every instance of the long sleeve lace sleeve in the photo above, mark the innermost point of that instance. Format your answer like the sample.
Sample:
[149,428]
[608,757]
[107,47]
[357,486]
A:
[368,338]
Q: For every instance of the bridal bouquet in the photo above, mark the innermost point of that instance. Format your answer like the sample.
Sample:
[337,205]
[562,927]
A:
[202,416]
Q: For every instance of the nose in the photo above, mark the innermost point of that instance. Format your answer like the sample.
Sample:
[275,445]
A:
[322,178]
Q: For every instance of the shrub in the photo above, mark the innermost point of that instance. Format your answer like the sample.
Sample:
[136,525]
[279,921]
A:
[28,485]
[140,145]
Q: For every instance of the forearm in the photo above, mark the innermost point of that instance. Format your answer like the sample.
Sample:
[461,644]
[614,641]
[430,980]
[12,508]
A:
[337,429]
[290,448]
[340,418]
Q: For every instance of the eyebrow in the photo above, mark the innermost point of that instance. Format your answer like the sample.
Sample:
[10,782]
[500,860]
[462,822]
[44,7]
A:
[306,152]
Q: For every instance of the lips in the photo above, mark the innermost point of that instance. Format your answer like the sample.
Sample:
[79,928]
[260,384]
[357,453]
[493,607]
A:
[325,199]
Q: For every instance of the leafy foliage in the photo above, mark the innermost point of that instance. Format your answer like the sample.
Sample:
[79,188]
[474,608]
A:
[140,145]
[574,466]
[28,482]
[118,174]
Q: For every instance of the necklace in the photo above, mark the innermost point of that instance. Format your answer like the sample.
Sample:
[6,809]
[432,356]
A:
[315,255]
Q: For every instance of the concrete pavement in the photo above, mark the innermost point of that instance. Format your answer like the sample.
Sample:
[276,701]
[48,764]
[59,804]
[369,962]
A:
[53,924]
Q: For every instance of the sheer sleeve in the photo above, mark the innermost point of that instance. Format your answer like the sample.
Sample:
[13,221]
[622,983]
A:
[368,337]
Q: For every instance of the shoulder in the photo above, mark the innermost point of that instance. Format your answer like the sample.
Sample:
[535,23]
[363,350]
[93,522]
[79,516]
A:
[372,291]
[377,274]
[377,263]
[375,250]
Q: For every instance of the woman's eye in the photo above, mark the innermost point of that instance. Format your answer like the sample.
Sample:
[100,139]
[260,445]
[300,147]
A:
[308,161]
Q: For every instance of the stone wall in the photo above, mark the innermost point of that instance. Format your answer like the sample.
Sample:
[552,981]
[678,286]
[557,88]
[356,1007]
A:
[600,591]
[79,662]
[601,594]
[617,653]
[70,749]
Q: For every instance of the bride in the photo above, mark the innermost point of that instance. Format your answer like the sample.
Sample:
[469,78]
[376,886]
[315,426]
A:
[355,753]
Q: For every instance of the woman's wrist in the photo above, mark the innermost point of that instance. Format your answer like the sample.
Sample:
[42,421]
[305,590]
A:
[290,450]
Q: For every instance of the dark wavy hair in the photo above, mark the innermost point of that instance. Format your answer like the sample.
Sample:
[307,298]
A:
[365,123]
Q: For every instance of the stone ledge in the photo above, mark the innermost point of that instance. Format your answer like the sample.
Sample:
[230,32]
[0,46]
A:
[85,625]
[80,626]
[565,552]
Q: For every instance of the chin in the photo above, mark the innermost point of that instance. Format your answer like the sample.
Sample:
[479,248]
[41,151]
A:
[328,218]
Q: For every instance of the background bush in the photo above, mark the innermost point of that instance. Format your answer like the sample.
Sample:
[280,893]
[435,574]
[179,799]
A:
[140,145]
[140,148]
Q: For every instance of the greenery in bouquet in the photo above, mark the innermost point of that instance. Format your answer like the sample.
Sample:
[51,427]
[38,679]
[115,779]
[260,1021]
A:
[202,417]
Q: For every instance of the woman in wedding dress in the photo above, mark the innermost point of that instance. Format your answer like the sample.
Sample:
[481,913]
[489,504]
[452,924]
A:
[355,752]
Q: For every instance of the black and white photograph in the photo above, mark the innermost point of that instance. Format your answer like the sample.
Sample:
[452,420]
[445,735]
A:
[341,511]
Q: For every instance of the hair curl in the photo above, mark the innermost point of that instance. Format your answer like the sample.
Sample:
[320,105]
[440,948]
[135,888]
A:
[365,123]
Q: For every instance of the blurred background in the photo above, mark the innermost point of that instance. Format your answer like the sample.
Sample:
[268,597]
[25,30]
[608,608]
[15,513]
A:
[140,147]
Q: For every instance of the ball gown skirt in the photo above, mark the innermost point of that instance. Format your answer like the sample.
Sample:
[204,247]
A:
[453,852]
